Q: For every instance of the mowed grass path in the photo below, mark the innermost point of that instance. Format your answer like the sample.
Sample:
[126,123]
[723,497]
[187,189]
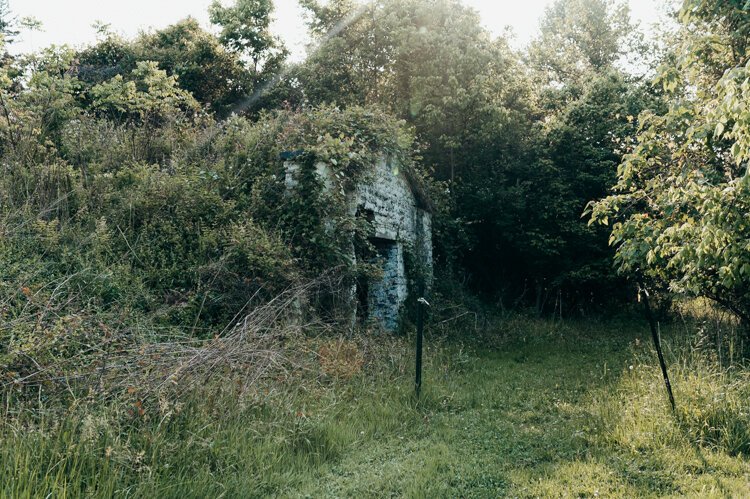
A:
[555,415]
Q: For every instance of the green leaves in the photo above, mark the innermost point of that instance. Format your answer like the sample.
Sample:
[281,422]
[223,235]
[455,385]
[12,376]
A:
[245,29]
[580,38]
[150,94]
[314,218]
[684,186]
[719,130]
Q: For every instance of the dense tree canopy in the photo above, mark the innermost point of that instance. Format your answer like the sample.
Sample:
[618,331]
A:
[579,37]
[522,146]
[517,142]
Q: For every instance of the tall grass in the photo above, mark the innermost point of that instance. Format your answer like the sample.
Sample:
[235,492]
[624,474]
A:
[711,382]
[221,439]
[552,406]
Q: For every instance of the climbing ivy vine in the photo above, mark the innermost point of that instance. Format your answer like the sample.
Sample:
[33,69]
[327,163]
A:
[347,144]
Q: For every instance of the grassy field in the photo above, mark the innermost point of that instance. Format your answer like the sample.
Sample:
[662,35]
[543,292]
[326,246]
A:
[572,410]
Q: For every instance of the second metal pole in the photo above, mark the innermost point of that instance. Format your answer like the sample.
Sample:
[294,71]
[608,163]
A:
[657,345]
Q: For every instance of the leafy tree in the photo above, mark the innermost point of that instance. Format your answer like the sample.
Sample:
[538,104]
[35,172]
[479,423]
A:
[585,110]
[150,108]
[8,22]
[150,96]
[521,147]
[579,37]
[679,212]
[34,108]
[112,55]
[214,70]
[245,29]
[585,142]
[213,75]
[527,172]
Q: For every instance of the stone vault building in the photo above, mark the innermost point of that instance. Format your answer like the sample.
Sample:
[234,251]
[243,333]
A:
[400,216]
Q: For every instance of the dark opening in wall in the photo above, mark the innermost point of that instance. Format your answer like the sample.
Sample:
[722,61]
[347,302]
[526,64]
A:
[363,298]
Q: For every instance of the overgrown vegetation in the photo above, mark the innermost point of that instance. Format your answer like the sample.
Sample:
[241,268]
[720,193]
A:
[176,275]
[177,248]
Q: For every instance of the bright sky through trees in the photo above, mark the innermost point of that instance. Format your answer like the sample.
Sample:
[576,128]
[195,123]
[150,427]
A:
[70,21]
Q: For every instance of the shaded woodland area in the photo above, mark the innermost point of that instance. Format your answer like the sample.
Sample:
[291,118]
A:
[153,260]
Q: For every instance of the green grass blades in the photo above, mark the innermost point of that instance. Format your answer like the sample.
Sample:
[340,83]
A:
[575,409]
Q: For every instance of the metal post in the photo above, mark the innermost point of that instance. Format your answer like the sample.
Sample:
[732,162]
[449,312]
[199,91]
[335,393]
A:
[657,344]
[421,302]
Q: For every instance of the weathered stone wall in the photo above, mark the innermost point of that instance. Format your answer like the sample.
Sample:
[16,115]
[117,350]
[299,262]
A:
[386,193]
[386,295]
[399,226]
[423,245]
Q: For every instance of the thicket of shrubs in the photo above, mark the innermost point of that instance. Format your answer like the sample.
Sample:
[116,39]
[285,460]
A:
[125,205]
